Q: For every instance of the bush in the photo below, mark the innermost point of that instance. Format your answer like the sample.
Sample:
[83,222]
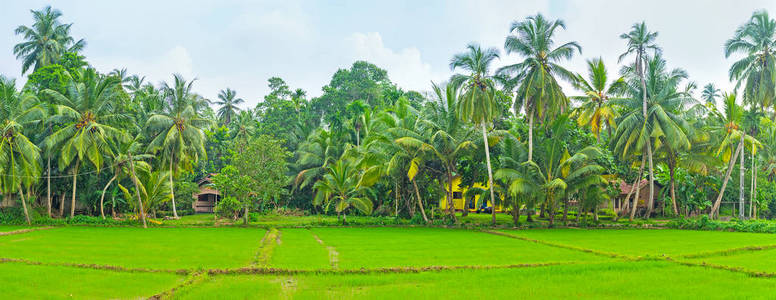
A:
[229,207]
[704,223]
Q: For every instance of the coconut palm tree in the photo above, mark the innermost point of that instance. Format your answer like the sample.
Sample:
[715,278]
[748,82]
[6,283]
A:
[477,103]
[710,93]
[664,123]
[177,133]
[19,157]
[46,41]
[228,105]
[120,161]
[539,92]
[756,71]
[343,186]
[596,110]
[640,40]
[85,116]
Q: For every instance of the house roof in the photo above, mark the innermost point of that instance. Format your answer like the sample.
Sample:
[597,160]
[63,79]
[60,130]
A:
[625,188]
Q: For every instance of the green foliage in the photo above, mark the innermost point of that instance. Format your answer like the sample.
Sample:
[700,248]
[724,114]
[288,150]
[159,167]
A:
[229,207]
[54,77]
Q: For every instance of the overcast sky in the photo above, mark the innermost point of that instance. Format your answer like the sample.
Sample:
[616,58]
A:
[240,44]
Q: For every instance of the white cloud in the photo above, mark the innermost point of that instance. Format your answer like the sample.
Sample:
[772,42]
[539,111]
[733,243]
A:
[405,67]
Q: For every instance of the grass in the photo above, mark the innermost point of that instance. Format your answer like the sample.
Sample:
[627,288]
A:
[8,228]
[382,262]
[155,248]
[655,242]
[390,247]
[20,281]
[616,280]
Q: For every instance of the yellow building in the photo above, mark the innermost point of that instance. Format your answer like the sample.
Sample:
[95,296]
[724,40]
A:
[458,194]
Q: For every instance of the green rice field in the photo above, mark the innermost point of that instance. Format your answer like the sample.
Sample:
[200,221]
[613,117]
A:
[384,262]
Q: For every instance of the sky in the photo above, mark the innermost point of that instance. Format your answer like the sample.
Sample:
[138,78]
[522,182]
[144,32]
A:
[240,44]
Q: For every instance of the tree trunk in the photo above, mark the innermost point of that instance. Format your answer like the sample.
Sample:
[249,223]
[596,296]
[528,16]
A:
[651,202]
[102,210]
[673,191]
[725,181]
[754,176]
[420,202]
[640,69]
[530,135]
[490,175]
[595,214]
[245,216]
[449,194]
[24,205]
[137,189]
[75,181]
[625,205]
[742,179]
[565,212]
[172,193]
[48,186]
[396,202]
[635,204]
[515,213]
[62,204]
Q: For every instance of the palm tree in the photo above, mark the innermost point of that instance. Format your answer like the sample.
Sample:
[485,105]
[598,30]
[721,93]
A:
[664,122]
[756,40]
[321,149]
[228,105]
[731,127]
[640,40]
[177,133]
[46,41]
[539,92]
[343,186]
[596,110]
[19,157]
[85,116]
[120,161]
[477,104]
[151,188]
[710,93]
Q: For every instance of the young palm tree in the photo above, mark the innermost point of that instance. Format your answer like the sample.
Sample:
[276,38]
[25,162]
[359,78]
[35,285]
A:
[596,110]
[539,92]
[19,157]
[343,186]
[640,40]
[477,104]
[120,161]
[228,105]
[756,39]
[710,93]
[177,133]
[85,116]
[46,41]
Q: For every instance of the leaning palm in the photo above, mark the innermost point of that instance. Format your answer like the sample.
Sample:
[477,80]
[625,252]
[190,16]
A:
[228,102]
[596,110]
[120,163]
[46,41]
[539,91]
[342,186]
[86,115]
[19,157]
[477,103]
[177,133]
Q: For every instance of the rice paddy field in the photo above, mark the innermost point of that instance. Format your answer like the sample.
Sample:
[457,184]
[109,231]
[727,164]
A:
[383,262]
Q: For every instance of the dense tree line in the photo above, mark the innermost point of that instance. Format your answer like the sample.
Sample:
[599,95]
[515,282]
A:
[367,146]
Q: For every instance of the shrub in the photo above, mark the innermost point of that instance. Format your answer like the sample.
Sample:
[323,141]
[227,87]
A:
[229,207]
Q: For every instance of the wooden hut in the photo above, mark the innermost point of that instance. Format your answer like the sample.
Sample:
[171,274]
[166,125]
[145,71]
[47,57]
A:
[206,199]
[626,188]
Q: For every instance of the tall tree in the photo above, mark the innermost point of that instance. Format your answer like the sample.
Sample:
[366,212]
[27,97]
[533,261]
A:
[86,115]
[539,92]
[710,93]
[176,133]
[756,71]
[477,103]
[640,40]
[228,103]
[46,41]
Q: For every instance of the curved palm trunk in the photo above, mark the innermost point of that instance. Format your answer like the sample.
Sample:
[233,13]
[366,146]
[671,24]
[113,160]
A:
[102,197]
[638,189]
[639,66]
[725,181]
[741,178]
[24,205]
[420,202]
[137,189]
[671,171]
[172,193]
[490,174]
[75,181]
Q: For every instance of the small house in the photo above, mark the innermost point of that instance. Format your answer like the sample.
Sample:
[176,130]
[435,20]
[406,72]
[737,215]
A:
[206,199]
[625,189]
